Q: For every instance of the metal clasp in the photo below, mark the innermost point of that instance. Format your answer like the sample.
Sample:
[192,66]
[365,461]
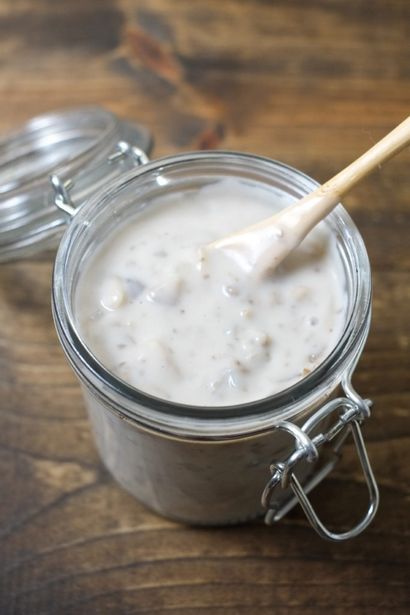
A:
[352,410]
[124,150]
[62,198]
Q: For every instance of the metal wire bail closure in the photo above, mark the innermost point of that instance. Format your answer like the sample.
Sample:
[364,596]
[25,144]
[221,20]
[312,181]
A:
[123,152]
[352,410]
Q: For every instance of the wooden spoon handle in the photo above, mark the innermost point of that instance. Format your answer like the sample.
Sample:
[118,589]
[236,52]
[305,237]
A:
[387,147]
[264,245]
[319,203]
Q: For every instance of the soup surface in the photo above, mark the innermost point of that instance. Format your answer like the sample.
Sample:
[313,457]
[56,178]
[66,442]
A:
[203,332]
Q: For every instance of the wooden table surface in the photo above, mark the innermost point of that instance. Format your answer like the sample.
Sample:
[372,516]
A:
[312,84]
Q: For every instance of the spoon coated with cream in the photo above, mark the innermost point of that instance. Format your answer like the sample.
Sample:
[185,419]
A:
[263,246]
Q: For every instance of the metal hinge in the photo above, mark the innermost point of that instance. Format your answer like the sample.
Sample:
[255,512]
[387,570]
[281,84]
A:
[352,411]
[62,198]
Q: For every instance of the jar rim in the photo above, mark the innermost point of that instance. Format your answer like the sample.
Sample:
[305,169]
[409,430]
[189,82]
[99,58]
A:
[174,417]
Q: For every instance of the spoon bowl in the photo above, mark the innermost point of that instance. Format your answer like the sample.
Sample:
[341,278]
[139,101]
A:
[260,248]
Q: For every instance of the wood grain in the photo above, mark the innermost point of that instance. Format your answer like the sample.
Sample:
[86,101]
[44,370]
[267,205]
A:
[313,84]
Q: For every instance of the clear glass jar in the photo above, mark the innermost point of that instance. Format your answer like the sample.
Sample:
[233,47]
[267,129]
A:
[213,465]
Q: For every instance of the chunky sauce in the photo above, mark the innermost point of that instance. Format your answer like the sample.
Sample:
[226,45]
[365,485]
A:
[204,332]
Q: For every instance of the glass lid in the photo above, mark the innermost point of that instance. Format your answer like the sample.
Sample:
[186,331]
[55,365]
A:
[75,145]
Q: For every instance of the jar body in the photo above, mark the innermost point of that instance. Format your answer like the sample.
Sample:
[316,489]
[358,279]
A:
[199,465]
[200,482]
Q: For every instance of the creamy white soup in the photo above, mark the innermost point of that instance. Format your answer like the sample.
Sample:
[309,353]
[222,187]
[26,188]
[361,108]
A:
[202,331]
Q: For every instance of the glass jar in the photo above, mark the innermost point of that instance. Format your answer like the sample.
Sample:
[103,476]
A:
[195,464]
[204,465]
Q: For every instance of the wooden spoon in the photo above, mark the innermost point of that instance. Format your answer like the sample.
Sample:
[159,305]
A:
[263,246]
